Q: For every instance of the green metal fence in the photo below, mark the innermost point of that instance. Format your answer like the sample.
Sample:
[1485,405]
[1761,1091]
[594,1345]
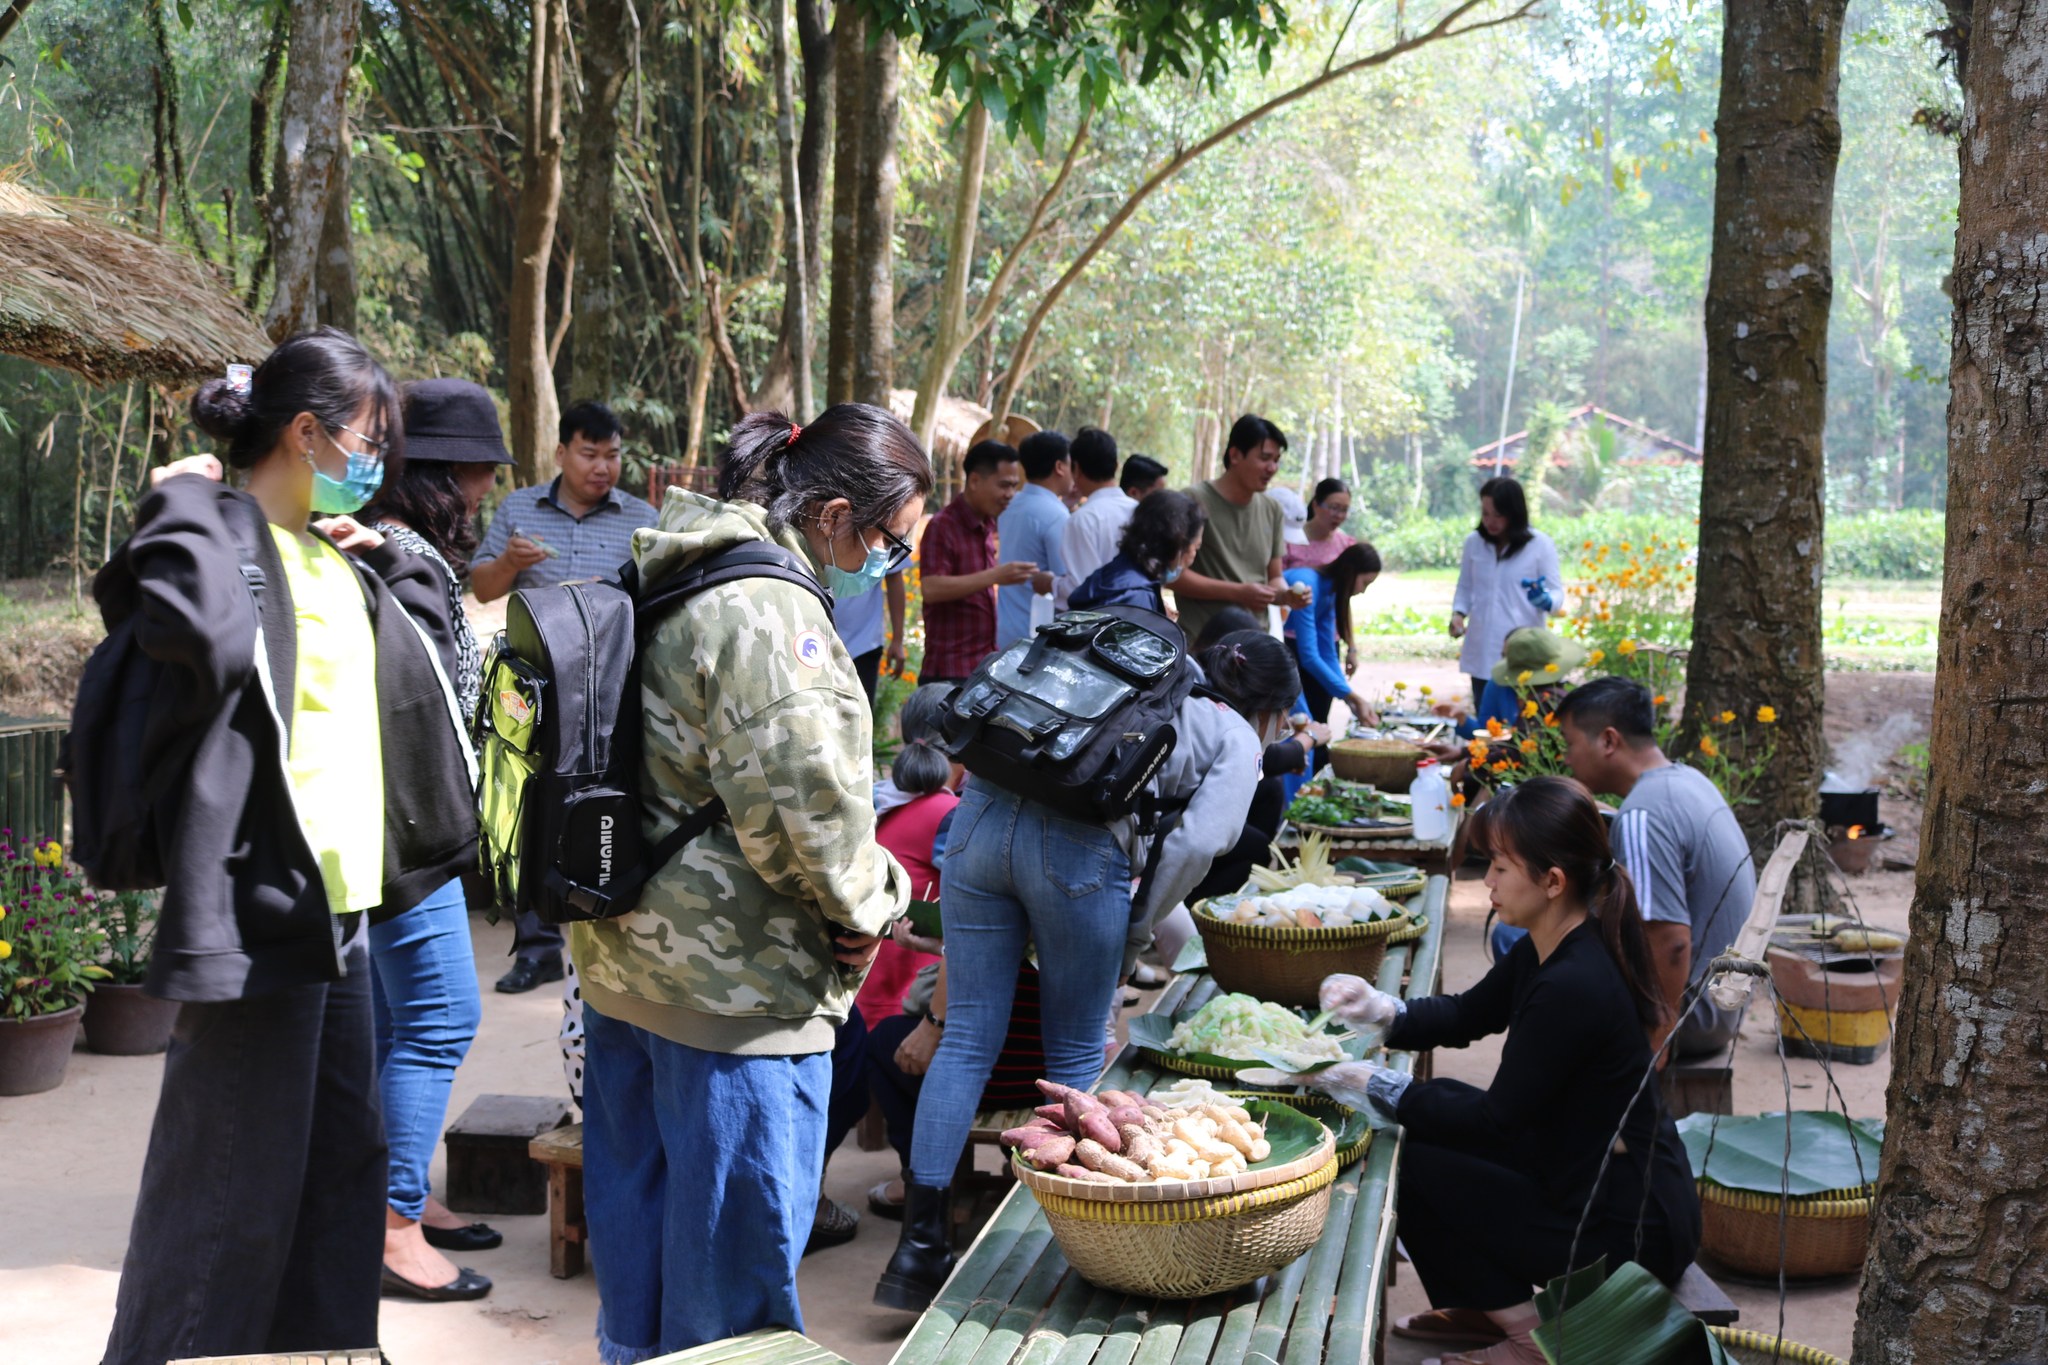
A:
[31,795]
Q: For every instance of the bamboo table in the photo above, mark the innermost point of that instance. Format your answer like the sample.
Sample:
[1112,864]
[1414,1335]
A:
[1013,1300]
[1432,855]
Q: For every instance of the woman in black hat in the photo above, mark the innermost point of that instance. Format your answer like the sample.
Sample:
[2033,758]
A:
[427,1006]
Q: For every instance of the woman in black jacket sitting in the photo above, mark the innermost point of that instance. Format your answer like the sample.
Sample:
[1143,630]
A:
[326,780]
[1494,1182]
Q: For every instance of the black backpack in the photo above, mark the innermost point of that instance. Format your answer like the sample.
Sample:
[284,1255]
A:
[557,735]
[1078,717]
[129,745]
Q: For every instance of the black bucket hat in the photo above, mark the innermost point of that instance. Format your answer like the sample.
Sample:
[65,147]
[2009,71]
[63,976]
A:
[453,421]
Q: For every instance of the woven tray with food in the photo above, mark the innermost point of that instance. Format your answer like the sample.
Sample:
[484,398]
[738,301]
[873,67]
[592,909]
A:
[1349,810]
[1232,1033]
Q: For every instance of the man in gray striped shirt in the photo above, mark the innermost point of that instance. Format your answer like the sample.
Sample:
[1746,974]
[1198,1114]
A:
[576,528]
[1677,837]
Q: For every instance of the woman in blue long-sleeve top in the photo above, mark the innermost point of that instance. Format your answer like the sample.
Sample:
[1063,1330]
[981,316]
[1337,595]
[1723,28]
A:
[1313,630]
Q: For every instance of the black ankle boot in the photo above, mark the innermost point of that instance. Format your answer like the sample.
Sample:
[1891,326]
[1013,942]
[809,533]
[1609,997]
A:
[924,1252]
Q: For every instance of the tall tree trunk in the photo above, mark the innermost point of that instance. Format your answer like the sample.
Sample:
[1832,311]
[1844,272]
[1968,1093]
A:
[849,60]
[796,287]
[1955,1269]
[604,52]
[950,338]
[777,389]
[334,274]
[530,379]
[1757,613]
[311,125]
[874,299]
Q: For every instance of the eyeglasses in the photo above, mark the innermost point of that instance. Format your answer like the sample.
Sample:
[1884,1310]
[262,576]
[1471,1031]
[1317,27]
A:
[378,448]
[899,549]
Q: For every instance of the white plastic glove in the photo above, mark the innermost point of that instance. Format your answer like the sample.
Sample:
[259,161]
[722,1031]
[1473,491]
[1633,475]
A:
[1358,1003]
[1368,1087]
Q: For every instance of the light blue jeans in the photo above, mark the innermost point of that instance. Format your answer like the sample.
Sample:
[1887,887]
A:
[700,1181]
[1018,873]
[427,1011]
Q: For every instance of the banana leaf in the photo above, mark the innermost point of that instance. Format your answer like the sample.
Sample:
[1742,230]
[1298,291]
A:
[1193,956]
[1749,1151]
[1627,1318]
[1291,1133]
[1152,1032]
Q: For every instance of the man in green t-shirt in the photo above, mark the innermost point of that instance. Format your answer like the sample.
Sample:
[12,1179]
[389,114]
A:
[1239,561]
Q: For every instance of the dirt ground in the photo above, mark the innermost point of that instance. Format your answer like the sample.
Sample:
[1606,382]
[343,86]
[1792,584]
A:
[74,1155]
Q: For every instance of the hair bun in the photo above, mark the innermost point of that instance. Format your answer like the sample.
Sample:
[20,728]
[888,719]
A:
[220,410]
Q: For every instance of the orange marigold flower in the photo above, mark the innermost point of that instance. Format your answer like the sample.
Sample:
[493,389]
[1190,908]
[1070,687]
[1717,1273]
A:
[1457,800]
[1708,747]
[1529,707]
[1528,746]
[1626,648]
[1478,749]
[1726,718]
[1494,727]
[1660,699]
[1767,715]
[1550,720]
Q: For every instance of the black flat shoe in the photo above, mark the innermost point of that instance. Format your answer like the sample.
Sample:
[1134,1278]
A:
[475,1237]
[833,1225]
[527,973]
[466,1285]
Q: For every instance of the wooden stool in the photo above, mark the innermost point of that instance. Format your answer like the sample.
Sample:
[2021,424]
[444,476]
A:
[488,1168]
[1698,1088]
[976,1192]
[1703,1298]
[560,1153]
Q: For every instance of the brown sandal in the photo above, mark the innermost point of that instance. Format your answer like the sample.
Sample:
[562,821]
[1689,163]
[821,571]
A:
[1459,1326]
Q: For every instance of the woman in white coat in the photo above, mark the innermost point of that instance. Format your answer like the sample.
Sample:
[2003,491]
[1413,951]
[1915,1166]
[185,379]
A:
[1508,577]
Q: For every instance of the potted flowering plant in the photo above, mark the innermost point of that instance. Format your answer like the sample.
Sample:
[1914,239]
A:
[120,1020]
[50,943]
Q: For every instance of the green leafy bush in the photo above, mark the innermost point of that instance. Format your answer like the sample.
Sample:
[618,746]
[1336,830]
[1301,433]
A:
[1886,545]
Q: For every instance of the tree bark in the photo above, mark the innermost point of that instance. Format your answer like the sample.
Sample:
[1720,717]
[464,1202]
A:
[1955,1269]
[949,338]
[604,51]
[849,59]
[874,299]
[334,274]
[777,389]
[535,410]
[796,271]
[1757,612]
[309,145]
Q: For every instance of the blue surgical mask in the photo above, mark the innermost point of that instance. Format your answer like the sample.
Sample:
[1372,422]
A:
[357,485]
[1170,574]
[862,580]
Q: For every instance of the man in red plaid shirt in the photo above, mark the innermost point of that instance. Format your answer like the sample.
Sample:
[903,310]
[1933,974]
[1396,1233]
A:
[957,565]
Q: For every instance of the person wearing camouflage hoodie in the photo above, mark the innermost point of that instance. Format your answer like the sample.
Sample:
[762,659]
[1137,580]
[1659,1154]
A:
[710,1009]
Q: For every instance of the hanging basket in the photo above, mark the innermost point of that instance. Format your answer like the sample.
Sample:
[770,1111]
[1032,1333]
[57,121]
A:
[1824,1234]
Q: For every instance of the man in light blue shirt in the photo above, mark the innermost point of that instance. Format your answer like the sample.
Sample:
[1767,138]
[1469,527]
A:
[1032,529]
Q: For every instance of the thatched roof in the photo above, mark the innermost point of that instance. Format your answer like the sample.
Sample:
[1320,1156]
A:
[958,421]
[81,294]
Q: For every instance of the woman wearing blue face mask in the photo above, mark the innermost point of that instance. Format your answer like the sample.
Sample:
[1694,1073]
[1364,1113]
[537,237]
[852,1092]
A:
[1163,538]
[322,780]
[709,1012]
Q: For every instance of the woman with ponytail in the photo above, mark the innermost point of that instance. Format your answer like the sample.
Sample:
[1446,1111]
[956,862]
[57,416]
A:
[323,782]
[710,1010]
[1496,1183]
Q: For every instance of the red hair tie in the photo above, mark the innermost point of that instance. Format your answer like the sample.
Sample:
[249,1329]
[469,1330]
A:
[794,432]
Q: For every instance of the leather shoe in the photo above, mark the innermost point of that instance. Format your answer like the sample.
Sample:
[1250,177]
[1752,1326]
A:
[529,972]
[466,1285]
[475,1237]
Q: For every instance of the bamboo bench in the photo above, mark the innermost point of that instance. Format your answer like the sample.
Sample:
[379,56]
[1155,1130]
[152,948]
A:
[770,1346]
[1013,1300]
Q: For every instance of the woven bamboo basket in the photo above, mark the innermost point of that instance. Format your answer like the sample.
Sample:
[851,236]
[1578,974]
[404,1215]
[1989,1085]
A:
[1186,1248]
[1287,966]
[1760,1348]
[1825,1233]
[1386,763]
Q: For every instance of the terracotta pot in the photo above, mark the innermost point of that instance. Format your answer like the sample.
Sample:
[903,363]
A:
[34,1052]
[120,1021]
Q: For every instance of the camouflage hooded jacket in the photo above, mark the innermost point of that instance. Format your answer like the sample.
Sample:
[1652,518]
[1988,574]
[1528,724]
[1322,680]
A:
[746,694]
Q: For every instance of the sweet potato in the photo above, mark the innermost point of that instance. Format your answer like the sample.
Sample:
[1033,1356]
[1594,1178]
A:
[1073,1172]
[1079,1103]
[1116,1099]
[1098,1128]
[1139,1144]
[1053,1090]
[1122,1114]
[1096,1157]
[1057,1113]
[1055,1150]
[1028,1134]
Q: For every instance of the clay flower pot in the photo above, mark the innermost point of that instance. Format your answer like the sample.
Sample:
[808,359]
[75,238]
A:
[120,1021]
[35,1051]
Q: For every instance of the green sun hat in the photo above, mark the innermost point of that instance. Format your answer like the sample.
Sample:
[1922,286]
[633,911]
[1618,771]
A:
[1540,652]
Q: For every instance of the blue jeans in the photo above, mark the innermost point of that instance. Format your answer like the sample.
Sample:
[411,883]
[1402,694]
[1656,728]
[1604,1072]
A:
[428,1010]
[700,1181]
[1018,873]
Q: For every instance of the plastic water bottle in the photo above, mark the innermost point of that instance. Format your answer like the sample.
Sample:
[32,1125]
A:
[1430,796]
